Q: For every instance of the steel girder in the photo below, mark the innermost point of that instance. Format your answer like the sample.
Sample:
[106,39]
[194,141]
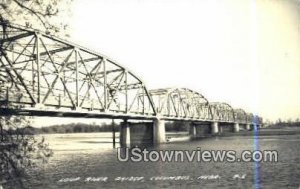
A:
[181,103]
[40,69]
[222,112]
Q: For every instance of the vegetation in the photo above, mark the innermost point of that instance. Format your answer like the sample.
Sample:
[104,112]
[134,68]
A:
[288,123]
[90,128]
[19,149]
[177,126]
[71,128]
[39,14]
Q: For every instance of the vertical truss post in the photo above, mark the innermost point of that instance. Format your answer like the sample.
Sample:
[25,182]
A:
[37,44]
[33,76]
[105,84]
[114,133]
[64,80]
[126,92]
[168,106]
[144,93]
[76,75]
[59,100]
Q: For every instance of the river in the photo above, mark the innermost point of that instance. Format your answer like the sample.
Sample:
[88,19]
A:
[87,160]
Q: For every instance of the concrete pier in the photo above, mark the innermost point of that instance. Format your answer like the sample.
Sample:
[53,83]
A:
[236,127]
[220,129]
[125,134]
[214,128]
[159,131]
[193,131]
[248,127]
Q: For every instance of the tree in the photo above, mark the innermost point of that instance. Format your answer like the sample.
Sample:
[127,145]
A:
[39,14]
[18,149]
[279,121]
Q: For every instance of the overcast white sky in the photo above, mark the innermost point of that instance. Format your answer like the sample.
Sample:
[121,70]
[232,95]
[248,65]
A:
[243,52]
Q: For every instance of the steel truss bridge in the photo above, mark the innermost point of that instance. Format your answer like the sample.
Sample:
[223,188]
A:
[42,75]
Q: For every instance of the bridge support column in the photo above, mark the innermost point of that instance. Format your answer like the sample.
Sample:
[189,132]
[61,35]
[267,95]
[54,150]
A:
[214,127]
[248,127]
[236,127]
[220,129]
[193,131]
[159,132]
[125,134]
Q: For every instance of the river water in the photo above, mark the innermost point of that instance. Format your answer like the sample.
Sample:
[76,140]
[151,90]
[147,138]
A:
[88,161]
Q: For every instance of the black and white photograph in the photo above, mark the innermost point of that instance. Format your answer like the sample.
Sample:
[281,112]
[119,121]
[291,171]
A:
[149,94]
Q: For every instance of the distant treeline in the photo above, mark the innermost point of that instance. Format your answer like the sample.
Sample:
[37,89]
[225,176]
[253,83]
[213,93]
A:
[66,128]
[77,128]
[177,126]
[89,128]
[280,124]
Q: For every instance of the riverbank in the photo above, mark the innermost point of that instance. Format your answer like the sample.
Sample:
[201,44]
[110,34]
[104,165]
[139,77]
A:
[266,132]
[184,136]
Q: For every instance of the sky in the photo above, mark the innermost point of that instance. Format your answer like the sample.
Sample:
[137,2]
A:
[243,52]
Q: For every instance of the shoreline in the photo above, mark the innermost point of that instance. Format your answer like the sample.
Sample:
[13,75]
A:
[260,132]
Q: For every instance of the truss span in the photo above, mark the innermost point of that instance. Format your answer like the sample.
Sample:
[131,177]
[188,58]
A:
[181,102]
[222,112]
[240,116]
[40,69]
[49,76]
